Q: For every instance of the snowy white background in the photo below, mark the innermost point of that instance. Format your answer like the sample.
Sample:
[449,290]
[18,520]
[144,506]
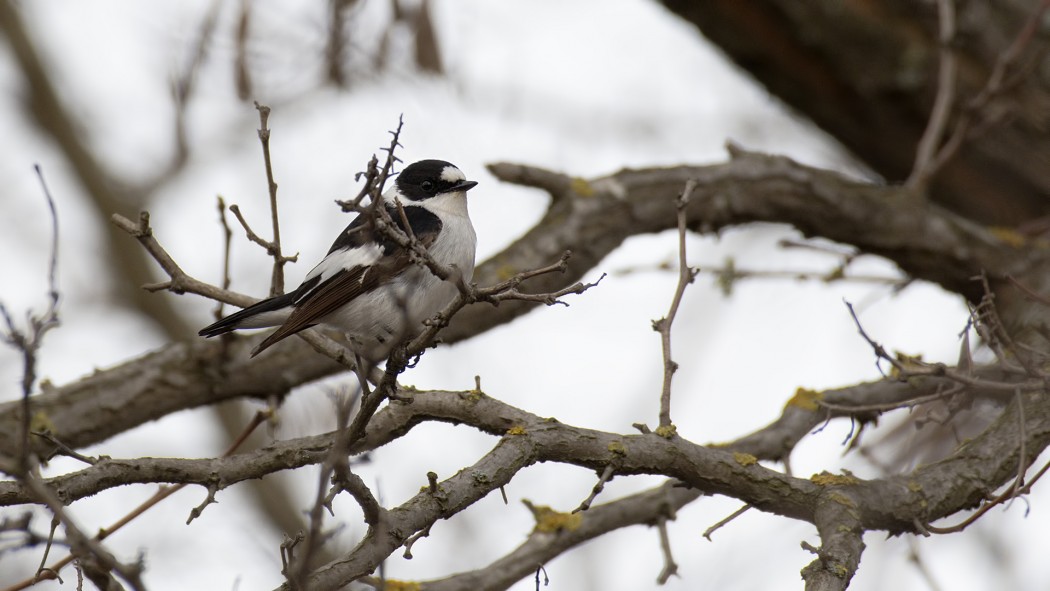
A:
[578,86]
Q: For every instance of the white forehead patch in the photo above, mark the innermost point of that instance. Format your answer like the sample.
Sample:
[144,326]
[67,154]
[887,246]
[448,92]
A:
[452,174]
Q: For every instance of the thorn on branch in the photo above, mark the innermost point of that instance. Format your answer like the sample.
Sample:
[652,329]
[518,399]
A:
[199,509]
[810,548]
[411,541]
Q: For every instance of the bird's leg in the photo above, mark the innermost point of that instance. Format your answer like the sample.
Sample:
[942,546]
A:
[362,368]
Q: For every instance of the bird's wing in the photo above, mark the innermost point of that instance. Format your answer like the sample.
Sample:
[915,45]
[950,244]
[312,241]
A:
[344,274]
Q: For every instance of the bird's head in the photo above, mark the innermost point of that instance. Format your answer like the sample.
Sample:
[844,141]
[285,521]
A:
[427,179]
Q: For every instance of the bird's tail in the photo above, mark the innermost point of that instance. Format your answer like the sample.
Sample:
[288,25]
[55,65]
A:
[269,312]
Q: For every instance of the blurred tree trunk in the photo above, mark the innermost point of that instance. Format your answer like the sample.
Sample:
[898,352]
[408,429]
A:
[866,73]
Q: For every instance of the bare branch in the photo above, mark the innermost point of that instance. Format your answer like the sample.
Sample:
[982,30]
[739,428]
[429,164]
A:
[277,281]
[723,522]
[179,281]
[974,114]
[663,326]
[599,486]
[29,340]
[227,239]
[52,571]
[930,143]
[670,566]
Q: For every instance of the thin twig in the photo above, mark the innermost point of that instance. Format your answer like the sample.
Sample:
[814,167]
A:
[995,86]
[227,240]
[185,85]
[334,469]
[720,524]
[663,326]
[63,449]
[1022,452]
[277,280]
[1029,292]
[880,351]
[916,559]
[249,233]
[29,340]
[82,545]
[55,522]
[930,142]
[1016,489]
[670,566]
[729,273]
[164,492]
[606,476]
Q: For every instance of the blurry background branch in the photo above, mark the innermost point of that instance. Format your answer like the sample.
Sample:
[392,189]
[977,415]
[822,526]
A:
[866,75]
[111,191]
[108,191]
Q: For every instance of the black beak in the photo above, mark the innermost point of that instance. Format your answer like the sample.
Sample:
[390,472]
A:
[463,186]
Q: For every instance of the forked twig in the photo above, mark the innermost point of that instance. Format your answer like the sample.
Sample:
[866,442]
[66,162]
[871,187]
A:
[277,279]
[996,84]
[28,341]
[670,566]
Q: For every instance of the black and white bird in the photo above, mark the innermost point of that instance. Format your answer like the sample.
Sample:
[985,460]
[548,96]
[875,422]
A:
[367,285]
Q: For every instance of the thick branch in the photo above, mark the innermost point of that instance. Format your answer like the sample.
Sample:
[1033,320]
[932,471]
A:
[638,509]
[591,218]
[932,491]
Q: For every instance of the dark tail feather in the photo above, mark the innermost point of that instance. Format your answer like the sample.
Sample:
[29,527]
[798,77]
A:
[232,322]
[277,335]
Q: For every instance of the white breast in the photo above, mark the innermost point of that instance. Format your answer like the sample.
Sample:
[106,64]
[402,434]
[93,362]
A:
[378,320]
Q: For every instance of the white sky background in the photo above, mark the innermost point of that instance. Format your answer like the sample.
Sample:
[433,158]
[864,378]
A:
[582,87]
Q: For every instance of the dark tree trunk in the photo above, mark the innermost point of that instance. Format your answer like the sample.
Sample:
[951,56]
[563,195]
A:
[866,73]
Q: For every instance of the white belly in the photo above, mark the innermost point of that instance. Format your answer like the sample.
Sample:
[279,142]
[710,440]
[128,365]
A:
[377,321]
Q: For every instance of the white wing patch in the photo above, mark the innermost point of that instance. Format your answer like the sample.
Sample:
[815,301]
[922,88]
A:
[452,174]
[346,259]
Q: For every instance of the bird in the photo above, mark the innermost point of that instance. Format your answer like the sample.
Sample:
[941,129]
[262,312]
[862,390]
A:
[370,287]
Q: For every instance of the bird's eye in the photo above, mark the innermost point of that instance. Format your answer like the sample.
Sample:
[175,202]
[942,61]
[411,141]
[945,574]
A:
[427,186]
